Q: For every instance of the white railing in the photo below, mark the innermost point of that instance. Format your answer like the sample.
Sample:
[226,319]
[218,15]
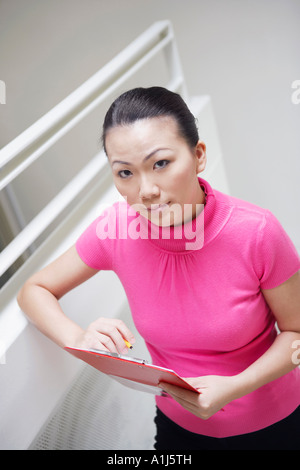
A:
[33,142]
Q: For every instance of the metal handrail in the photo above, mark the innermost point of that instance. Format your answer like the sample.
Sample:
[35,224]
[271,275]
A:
[21,152]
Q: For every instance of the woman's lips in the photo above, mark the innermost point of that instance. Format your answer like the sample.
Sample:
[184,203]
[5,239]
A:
[158,207]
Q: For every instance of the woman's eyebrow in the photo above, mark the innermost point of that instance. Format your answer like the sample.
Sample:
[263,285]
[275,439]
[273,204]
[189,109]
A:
[144,160]
[121,162]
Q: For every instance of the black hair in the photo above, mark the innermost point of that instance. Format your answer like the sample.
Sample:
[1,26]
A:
[147,103]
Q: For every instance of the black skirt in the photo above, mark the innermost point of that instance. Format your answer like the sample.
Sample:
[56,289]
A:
[283,435]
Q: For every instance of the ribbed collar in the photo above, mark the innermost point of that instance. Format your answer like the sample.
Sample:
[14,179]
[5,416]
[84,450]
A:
[197,233]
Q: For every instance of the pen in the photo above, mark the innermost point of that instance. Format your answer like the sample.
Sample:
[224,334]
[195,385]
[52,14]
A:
[128,344]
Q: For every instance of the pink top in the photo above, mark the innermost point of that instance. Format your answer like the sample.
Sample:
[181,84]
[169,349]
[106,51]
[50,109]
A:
[198,303]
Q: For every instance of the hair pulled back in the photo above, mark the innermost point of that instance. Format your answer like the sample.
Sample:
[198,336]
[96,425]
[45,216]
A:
[146,103]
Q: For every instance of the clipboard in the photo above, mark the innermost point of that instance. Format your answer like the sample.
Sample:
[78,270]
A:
[132,372]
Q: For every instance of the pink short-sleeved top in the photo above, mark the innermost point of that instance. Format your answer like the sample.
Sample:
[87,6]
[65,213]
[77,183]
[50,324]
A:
[195,296]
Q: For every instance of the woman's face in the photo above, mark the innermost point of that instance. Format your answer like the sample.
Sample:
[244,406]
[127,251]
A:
[155,170]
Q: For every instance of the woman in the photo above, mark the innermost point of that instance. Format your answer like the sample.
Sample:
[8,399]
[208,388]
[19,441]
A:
[207,276]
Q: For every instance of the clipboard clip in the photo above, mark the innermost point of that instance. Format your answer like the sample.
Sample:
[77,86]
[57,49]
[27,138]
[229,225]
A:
[119,356]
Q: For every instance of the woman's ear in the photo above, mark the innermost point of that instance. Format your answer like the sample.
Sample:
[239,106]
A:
[200,154]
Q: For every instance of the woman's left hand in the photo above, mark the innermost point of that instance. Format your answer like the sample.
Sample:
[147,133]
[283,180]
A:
[214,393]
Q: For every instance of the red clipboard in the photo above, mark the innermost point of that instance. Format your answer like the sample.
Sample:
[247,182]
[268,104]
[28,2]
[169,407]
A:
[132,372]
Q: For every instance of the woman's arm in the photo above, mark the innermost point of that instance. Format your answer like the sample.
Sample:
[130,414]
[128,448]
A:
[39,300]
[284,302]
[217,391]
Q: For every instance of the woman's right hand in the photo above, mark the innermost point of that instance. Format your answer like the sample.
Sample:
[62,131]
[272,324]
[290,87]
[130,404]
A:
[106,334]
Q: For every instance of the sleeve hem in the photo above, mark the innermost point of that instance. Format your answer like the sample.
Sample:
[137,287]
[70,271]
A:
[84,259]
[277,282]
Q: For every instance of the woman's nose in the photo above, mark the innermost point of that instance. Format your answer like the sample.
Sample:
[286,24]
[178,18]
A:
[148,189]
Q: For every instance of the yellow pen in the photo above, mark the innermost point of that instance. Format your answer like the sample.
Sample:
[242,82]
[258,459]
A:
[128,344]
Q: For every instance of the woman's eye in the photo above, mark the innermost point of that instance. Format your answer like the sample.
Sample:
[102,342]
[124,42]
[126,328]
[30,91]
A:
[124,173]
[161,164]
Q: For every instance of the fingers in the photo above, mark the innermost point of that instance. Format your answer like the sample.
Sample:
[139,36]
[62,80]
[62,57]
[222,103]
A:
[192,401]
[111,334]
[186,398]
[196,382]
[180,393]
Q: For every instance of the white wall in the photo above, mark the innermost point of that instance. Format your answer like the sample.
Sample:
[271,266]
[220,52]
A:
[244,53]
